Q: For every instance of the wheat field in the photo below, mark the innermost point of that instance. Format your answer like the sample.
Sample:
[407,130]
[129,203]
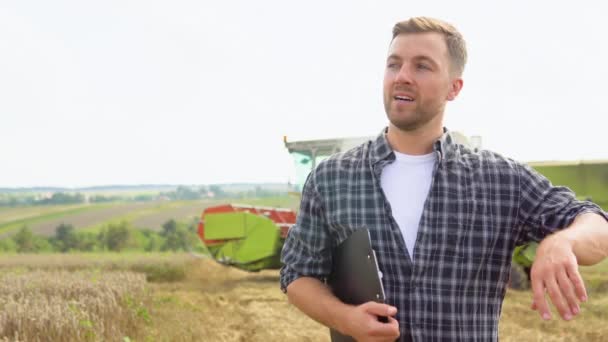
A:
[71,306]
[177,297]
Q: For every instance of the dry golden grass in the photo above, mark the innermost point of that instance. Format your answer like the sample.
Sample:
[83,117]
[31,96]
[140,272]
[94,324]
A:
[520,323]
[156,266]
[71,306]
[217,303]
[73,261]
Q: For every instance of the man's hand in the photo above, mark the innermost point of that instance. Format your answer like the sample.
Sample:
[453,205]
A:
[555,270]
[317,301]
[361,322]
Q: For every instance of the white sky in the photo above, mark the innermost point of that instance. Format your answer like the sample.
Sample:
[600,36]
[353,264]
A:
[197,92]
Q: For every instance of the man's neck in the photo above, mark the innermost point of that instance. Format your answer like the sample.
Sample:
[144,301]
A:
[416,142]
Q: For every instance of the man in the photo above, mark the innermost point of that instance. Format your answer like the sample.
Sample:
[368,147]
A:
[443,219]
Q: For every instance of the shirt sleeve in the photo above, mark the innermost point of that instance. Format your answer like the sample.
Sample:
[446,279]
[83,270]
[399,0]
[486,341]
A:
[545,208]
[307,248]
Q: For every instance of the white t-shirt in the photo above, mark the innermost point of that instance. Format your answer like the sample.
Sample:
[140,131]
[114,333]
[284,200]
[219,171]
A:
[406,183]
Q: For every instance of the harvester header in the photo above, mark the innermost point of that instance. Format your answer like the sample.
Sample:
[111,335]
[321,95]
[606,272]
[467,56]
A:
[247,237]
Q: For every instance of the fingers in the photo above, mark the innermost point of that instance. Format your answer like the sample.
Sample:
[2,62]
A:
[375,328]
[390,329]
[557,298]
[568,296]
[555,293]
[540,303]
[565,288]
[555,271]
[379,309]
[577,282]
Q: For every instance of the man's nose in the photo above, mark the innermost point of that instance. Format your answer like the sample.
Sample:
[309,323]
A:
[404,75]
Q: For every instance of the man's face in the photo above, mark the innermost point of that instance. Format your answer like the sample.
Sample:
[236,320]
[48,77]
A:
[417,80]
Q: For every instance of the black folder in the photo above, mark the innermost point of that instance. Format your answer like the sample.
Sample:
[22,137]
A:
[355,277]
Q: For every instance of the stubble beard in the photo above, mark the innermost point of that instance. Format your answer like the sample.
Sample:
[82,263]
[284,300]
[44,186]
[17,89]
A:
[412,121]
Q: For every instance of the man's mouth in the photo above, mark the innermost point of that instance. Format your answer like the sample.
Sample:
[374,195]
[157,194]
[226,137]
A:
[403,98]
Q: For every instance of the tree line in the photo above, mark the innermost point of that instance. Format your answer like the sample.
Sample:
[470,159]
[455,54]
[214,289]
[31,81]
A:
[179,194]
[116,237]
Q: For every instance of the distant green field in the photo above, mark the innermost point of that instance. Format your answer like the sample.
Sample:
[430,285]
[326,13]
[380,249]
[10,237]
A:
[34,216]
[11,214]
[291,202]
[43,220]
[162,212]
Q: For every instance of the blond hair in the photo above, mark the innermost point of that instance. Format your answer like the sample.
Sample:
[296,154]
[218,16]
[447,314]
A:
[454,41]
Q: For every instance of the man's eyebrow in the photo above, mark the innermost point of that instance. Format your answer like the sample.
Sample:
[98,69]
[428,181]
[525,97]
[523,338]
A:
[425,58]
[393,56]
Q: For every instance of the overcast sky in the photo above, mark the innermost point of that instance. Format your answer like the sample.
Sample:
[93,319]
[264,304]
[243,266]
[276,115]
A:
[198,92]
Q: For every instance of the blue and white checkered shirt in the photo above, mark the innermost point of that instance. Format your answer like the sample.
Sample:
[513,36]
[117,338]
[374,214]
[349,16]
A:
[480,206]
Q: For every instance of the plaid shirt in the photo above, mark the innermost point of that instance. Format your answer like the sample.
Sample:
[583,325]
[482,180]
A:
[480,206]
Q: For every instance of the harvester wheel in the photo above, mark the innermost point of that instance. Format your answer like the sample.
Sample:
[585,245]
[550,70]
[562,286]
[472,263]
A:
[519,278]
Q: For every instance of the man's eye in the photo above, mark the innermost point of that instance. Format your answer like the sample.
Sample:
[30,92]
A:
[392,66]
[423,67]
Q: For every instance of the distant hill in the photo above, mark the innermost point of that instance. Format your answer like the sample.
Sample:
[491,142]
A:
[102,188]
[227,187]
[240,187]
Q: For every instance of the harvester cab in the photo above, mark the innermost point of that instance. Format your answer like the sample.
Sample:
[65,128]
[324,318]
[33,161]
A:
[307,154]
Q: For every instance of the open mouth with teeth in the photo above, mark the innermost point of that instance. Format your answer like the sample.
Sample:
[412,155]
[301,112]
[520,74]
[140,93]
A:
[403,98]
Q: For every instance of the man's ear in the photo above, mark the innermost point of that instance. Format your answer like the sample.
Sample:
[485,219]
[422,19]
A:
[455,88]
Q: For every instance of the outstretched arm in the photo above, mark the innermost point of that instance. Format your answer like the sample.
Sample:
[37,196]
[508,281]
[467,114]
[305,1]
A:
[555,269]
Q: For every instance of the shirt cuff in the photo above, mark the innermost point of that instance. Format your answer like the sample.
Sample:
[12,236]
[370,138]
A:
[288,275]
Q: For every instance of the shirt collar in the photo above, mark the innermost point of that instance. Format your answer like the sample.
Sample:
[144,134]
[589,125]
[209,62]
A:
[381,150]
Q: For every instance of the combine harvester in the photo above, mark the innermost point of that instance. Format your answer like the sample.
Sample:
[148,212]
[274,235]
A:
[251,238]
